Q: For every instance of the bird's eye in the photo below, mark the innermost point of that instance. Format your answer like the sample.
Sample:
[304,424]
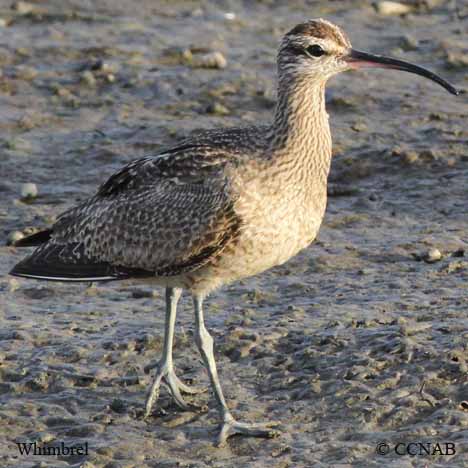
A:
[315,50]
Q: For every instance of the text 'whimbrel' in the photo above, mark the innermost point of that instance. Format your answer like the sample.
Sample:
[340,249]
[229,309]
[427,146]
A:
[216,208]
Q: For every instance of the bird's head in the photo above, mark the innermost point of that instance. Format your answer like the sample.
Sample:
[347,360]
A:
[317,49]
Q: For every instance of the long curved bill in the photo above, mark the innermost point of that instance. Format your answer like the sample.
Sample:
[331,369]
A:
[358,59]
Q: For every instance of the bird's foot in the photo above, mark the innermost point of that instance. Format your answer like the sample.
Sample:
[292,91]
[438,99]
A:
[230,427]
[166,375]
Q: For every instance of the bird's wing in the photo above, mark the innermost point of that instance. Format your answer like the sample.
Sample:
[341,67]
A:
[161,215]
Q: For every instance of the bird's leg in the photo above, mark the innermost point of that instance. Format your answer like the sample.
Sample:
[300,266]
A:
[229,426]
[165,373]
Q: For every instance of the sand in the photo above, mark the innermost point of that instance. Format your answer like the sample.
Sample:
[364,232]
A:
[359,340]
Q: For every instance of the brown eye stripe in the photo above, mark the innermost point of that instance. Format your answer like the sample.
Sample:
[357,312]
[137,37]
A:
[300,50]
[297,50]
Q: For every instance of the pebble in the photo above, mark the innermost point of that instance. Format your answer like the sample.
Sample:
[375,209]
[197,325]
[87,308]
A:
[87,464]
[118,405]
[458,60]
[29,191]
[23,72]
[359,127]
[63,92]
[13,284]
[14,237]
[453,267]
[88,78]
[23,52]
[103,67]
[409,157]
[408,42]
[431,4]
[18,144]
[432,255]
[217,109]
[429,155]
[23,8]
[210,60]
[392,8]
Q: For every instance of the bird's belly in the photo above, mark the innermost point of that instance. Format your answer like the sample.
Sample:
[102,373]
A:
[262,245]
[252,257]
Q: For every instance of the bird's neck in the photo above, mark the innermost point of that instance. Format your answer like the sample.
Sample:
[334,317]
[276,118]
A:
[299,137]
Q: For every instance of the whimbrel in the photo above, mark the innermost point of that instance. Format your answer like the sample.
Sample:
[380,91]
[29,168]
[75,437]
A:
[218,207]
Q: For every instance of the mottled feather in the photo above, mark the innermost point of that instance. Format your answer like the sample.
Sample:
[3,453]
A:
[160,215]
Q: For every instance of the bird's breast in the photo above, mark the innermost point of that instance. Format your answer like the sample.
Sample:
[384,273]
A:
[274,229]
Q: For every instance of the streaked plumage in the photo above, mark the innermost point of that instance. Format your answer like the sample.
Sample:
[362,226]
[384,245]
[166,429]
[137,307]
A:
[221,206]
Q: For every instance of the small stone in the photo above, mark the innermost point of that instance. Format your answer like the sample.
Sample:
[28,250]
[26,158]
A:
[88,78]
[26,123]
[429,155]
[110,78]
[359,127]
[392,8]
[428,5]
[63,92]
[217,109]
[18,144]
[23,8]
[13,284]
[14,237]
[3,23]
[409,157]
[23,72]
[29,191]
[408,42]
[103,67]
[87,464]
[107,67]
[118,405]
[211,60]
[23,52]
[178,55]
[453,267]
[438,116]
[457,60]
[432,255]
[68,97]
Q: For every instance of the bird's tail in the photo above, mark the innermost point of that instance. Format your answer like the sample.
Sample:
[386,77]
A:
[67,262]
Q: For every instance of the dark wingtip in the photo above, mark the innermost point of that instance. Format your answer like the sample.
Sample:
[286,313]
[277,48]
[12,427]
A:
[16,271]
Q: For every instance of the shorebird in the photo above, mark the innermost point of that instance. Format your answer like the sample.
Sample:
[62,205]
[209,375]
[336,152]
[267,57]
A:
[218,207]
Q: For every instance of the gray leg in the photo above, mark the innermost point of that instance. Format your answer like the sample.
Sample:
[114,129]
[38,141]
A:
[165,373]
[229,426]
